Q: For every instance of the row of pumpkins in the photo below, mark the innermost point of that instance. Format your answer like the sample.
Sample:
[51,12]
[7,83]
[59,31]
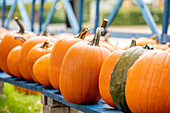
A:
[86,67]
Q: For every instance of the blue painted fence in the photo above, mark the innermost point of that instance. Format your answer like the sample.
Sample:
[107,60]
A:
[77,23]
[100,107]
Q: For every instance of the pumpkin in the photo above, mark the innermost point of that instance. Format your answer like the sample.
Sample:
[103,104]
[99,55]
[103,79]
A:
[119,74]
[162,46]
[80,70]
[65,35]
[26,47]
[105,76]
[3,32]
[147,86]
[36,52]
[26,91]
[9,42]
[142,41]
[12,61]
[57,55]
[40,70]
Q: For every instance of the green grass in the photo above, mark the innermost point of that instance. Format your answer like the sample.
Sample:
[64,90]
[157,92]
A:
[14,102]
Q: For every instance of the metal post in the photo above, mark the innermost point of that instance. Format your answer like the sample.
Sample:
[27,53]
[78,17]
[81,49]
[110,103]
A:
[41,15]
[11,11]
[97,15]
[165,20]
[148,18]
[113,14]
[80,15]
[3,12]
[50,15]
[32,15]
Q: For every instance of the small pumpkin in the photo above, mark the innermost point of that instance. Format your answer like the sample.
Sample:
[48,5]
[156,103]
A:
[142,41]
[40,70]
[147,86]
[105,76]
[26,91]
[119,75]
[57,55]
[36,52]
[26,47]
[80,70]
[9,42]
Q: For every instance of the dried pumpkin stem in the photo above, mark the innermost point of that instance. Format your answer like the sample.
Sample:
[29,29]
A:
[97,36]
[46,45]
[83,32]
[153,36]
[133,43]
[20,25]
[45,33]
[105,21]
[21,38]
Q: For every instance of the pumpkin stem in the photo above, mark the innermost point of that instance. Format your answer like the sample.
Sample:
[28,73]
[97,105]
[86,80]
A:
[20,25]
[46,45]
[96,38]
[21,38]
[83,32]
[105,21]
[133,43]
[107,36]
[45,33]
[154,36]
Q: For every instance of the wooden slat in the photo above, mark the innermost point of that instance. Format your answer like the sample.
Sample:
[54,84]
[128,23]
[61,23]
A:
[56,95]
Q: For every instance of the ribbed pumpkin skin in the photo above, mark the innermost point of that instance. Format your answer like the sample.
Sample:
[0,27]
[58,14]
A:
[35,53]
[147,87]
[57,55]
[7,44]
[118,78]
[12,61]
[79,74]
[40,70]
[26,47]
[105,76]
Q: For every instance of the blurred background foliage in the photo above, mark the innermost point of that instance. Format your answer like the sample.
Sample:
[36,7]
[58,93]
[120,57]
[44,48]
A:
[127,15]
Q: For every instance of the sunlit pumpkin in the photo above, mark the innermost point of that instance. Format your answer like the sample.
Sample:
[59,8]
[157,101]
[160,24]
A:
[9,42]
[80,70]
[40,70]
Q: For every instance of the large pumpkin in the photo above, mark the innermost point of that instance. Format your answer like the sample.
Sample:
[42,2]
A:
[80,70]
[36,52]
[40,70]
[57,55]
[26,47]
[105,76]
[147,87]
[9,42]
[119,74]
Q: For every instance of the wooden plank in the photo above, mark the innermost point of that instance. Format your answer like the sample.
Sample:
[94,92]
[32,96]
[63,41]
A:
[56,95]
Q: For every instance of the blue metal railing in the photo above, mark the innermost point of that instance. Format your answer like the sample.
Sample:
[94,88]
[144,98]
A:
[77,23]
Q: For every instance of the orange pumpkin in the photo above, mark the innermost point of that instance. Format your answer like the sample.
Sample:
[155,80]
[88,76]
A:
[147,85]
[12,61]
[161,46]
[57,55]
[142,41]
[26,47]
[105,76]
[80,70]
[26,91]
[9,42]
[40,70]
[36,52]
